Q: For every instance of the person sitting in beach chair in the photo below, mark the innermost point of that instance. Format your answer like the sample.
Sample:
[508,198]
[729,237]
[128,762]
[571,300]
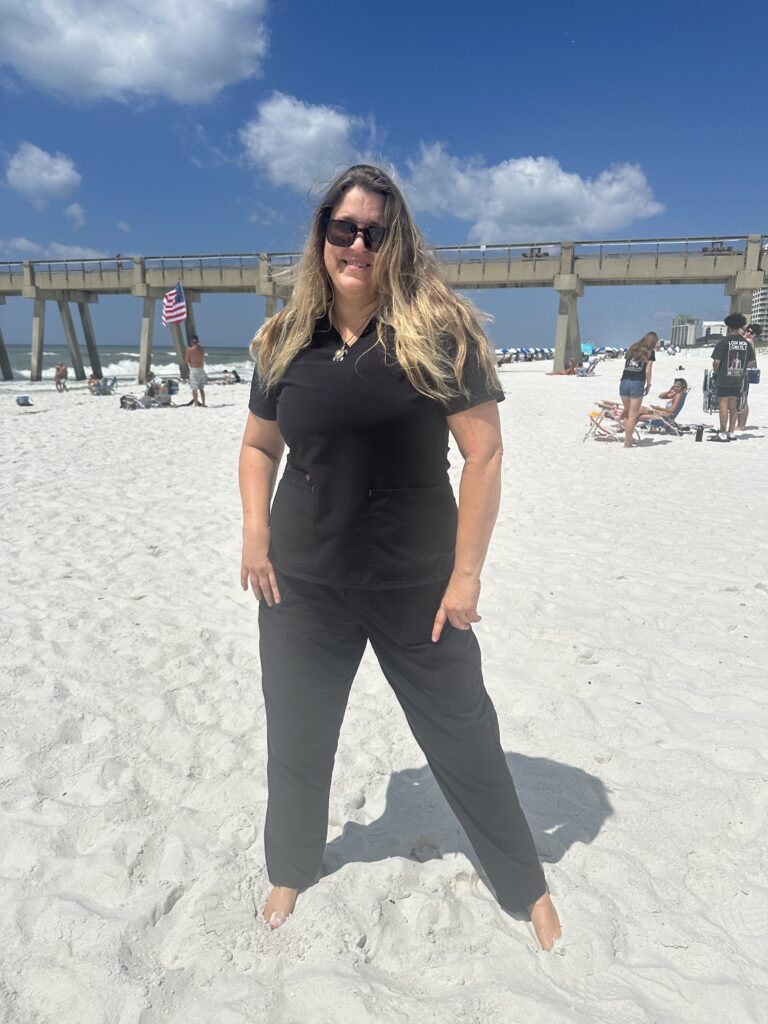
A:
[570,371]
[168,388]
[158,394]
[589,369]
[105,386]
[663,418]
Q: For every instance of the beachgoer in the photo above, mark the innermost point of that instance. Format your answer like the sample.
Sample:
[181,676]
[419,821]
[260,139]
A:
[751,332]
[197,375]
[225,378]
[636,381]
[93,382]
[674,399]
[235,377]
[60,375]
[569,371]
[363,374]
[731,358]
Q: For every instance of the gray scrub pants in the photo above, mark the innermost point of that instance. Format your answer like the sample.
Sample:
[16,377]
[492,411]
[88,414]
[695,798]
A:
[311,645]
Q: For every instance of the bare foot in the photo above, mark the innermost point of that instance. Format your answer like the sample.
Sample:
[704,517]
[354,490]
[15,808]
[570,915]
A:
[279,905]
[545,921]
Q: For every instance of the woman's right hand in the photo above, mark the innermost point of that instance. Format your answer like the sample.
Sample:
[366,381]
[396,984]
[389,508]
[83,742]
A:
[256,567]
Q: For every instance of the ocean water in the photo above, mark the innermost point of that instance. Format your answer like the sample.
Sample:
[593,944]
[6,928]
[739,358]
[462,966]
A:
[123,362]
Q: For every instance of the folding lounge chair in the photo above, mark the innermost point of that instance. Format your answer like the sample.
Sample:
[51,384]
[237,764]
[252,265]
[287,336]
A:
[106,386]
[605,423]
[158,394]
[589,369]
[666,424]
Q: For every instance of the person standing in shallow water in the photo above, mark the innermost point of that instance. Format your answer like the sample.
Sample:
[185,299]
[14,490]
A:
[363,374]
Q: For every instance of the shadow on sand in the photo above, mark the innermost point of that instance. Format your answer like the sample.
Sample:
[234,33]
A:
[564,805]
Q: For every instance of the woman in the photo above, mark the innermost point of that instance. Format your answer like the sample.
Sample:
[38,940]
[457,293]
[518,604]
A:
[674,396]
[363,373]
[636,381]
[570,370]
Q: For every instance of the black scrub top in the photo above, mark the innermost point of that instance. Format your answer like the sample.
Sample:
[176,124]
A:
[365,500]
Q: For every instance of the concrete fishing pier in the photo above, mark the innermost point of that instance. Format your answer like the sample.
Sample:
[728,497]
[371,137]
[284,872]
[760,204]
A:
[738,263]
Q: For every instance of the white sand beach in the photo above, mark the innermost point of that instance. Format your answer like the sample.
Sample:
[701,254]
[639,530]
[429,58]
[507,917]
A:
[624,607]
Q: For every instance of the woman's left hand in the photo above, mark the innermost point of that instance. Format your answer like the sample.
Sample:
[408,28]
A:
[458,606]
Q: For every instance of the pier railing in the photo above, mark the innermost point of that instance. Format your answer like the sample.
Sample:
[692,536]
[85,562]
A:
[218,271]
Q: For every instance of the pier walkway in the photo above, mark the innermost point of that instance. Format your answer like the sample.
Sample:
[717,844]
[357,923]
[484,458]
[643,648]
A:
[739,263]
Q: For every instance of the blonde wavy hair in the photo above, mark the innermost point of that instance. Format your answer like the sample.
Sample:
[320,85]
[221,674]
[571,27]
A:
[434,329]
[641,350]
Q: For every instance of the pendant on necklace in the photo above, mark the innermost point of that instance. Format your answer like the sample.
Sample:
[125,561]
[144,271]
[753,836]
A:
[339,354]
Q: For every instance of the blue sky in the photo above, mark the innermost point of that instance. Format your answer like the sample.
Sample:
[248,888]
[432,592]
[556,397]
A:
[166,128]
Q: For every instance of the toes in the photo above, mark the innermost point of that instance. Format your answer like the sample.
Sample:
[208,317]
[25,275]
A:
[276,918]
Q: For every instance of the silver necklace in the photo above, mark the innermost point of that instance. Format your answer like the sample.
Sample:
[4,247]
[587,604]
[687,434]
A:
[341,353]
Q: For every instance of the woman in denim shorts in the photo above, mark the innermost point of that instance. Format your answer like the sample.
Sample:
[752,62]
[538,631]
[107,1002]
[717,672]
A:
[636,381]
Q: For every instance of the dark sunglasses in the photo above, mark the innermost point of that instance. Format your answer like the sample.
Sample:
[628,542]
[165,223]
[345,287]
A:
[344,233]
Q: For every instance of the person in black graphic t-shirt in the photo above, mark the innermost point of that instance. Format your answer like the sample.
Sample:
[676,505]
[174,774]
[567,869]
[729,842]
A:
[636,381]
[363,375]
[731,357]
[751,332]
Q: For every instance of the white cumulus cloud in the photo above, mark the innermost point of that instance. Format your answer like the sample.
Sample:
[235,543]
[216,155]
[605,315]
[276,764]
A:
[57,251]
[527,198]
[297,144]
[41,176]
[24,249]
[76,214]
[123,226]
[88,49]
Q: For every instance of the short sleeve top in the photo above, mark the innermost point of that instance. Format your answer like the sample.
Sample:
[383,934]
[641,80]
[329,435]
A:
[365,500]
[634,369]
[734,353]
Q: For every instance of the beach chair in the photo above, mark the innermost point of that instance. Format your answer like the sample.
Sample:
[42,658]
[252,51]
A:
[605,423]
[165,393]
[663,424]
[589,369]
[106,386]
[158,395]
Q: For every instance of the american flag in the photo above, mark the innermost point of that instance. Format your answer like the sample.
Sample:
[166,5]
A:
[174,306]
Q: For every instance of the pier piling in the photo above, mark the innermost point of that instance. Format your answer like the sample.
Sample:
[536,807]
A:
[90,338]
[69,330]
[5,363]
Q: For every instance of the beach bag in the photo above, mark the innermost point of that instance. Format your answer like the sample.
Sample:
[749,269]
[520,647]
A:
[23,400]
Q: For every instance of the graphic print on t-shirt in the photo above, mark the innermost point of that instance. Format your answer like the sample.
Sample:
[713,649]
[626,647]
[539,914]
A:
[736,362]
[734,353]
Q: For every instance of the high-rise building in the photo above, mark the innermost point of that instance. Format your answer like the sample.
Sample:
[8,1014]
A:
[684,330]
[713,327]
[760,308]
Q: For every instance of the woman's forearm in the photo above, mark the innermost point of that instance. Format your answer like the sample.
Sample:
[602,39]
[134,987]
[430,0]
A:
[479,496]
[257,473]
